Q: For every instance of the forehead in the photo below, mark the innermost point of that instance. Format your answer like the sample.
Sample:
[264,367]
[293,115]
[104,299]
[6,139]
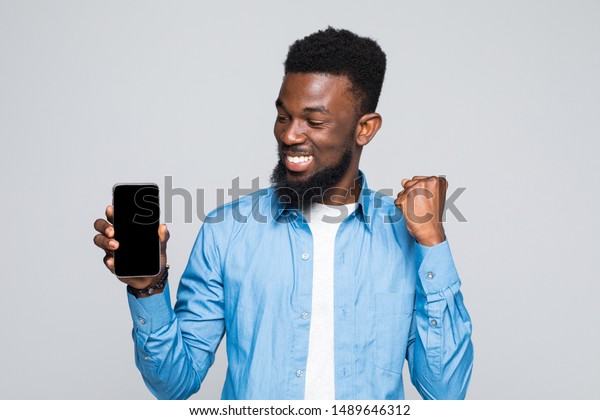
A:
[316,89]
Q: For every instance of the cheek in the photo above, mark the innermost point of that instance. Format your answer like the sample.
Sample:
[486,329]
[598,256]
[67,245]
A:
[328,157]
[333,145]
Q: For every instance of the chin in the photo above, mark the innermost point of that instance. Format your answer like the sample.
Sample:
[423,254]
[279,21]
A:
[298,176]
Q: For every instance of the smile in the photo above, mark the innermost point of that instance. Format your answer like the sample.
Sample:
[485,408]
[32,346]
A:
[299,159]
[298,164]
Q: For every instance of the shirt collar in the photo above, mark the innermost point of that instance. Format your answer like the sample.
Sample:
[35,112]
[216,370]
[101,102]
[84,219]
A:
[364,210]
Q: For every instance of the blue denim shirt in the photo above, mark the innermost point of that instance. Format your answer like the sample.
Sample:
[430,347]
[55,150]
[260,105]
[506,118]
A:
[250,275]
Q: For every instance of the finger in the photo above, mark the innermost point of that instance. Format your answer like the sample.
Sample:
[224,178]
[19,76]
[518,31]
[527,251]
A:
[109,213]
[409,184]
[405,180]
[163,235]
[109,262]
[107,244]
[401,199]
[415,180]
[104,227]
[443,182]
[434,181]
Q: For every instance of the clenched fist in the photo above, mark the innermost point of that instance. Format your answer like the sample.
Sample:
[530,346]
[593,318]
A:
[422,204]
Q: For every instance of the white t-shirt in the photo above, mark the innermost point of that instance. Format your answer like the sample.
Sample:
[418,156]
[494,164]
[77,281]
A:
[320,367]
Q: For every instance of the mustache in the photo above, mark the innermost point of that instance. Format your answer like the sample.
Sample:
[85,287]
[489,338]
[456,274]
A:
[294,149]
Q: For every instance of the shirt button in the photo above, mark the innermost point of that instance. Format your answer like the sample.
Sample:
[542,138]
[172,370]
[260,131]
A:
[305,256]
[429,275]
[146,357]
[142,320]
[433,322]
[304,315]
[299,373]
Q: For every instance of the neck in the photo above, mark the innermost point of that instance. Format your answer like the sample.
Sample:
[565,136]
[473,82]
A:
[346,191]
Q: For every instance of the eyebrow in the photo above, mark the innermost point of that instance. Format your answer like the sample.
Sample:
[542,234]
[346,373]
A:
[320,109]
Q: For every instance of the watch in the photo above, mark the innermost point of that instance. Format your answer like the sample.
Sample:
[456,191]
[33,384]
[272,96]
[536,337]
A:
[150,290]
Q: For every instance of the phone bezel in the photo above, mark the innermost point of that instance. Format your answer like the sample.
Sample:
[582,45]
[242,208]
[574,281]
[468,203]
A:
[149,184]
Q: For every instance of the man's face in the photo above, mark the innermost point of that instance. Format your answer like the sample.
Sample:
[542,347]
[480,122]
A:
[316,133]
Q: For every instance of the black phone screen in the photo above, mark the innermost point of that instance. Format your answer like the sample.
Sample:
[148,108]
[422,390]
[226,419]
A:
[136,217]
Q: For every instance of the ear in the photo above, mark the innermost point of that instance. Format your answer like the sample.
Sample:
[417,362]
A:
[366,128]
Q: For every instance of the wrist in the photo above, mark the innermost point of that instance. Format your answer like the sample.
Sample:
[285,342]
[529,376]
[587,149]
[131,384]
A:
[154,289]
[432,238]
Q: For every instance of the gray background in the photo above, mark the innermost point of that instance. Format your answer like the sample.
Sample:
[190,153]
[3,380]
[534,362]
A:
[502,97]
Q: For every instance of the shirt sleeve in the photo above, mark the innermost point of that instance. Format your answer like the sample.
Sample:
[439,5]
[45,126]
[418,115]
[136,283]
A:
[440,351]
[174,348]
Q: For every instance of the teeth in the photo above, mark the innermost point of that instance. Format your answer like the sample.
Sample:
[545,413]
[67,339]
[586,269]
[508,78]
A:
[299,159]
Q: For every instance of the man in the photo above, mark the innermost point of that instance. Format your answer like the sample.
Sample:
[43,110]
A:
[323,286]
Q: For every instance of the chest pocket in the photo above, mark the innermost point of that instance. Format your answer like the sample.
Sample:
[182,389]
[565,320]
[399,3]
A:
[394,313]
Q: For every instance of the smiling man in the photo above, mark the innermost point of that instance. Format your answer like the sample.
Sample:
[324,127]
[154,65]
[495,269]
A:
[329,294]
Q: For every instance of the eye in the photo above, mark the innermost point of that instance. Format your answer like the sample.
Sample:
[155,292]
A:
[282,118]
[313,123]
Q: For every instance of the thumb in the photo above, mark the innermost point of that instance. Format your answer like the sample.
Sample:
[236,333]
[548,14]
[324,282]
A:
[163,236]
[163,233]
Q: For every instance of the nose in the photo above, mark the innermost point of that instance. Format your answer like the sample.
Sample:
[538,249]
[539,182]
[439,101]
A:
[292,133]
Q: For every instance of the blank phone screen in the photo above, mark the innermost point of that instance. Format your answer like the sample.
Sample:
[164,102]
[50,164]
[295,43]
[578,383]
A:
[136,219]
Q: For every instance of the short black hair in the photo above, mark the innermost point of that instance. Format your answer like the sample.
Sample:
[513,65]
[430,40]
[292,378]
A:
[340,52]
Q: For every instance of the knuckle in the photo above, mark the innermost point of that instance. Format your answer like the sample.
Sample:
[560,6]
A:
[108,263]
[101,241]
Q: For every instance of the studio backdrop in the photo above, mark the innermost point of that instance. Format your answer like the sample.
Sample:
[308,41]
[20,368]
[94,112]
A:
[501,97]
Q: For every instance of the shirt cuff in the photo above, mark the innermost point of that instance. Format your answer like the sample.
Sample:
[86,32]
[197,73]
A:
[436,268]
[151,313]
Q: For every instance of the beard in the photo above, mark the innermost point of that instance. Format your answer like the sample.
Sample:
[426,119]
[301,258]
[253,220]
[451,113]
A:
[302,193]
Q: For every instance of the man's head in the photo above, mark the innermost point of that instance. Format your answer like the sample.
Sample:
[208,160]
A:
[326,113]
[339,52]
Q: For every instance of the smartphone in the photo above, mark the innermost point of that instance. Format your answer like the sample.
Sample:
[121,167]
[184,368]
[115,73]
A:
[136,217]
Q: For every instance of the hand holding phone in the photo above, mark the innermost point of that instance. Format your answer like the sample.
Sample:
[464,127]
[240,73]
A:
[131,236]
